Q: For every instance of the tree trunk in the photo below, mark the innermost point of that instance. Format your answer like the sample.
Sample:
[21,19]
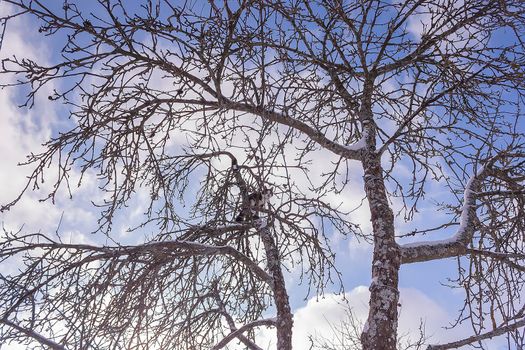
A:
[284,313]
[380,331]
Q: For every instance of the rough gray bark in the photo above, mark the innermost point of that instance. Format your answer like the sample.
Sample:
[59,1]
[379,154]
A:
[284,319]
[381,328]
[380,331]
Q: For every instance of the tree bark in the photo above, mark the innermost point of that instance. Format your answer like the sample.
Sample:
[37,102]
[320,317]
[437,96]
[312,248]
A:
[284,314]
[380,332]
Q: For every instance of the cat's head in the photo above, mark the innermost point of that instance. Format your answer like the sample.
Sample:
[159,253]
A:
[267,192]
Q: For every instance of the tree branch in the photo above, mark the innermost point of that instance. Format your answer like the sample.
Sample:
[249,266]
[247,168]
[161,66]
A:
[345,151]
[34,335]
[266,322]
[457,244]
[476,338]
[231,323]
[504,257]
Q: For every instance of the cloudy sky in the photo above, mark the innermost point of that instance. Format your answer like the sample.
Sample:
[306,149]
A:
[22,131]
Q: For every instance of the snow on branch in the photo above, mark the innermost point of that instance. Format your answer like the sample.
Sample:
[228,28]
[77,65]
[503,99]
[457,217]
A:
[476,338]
[455,245]
[34,335]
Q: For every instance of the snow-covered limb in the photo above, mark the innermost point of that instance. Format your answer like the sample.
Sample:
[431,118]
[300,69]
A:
[271,322]
[34,335]
[475,338]
[455,245]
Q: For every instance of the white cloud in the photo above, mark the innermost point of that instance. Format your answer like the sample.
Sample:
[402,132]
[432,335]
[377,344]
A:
[19,136]
[320,316]
[22,132]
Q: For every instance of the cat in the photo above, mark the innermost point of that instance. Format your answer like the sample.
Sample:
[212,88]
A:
[255,202]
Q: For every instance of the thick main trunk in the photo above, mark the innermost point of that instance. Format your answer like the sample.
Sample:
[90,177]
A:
[380,332]
[284,313]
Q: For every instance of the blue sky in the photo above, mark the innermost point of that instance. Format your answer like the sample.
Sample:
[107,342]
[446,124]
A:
[22,131]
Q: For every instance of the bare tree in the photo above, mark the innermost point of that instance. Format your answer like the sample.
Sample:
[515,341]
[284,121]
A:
[233,97]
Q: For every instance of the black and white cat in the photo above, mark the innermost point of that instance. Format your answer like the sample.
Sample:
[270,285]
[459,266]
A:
[255,202]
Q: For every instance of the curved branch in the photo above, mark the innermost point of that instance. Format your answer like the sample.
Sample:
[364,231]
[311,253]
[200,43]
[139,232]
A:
[205,249]
[429,41]
[457,244]
[266,322]
[191,248]
[231,323]
[346,151]
[104,252]
[476,338]
[34,335]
